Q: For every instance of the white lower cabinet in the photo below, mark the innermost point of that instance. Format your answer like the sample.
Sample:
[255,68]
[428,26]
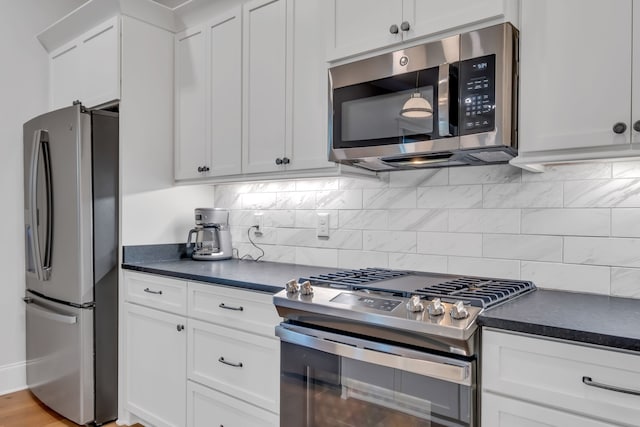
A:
[199,354]
[529,381]
[500,411]
[156,359]
[207,408]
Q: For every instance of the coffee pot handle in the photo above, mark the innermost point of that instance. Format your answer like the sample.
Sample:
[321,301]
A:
[193,230]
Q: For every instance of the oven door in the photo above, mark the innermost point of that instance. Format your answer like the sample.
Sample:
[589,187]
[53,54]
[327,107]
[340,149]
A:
[329,379]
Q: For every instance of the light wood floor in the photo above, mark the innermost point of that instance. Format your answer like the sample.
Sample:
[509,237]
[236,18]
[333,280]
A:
[22,409]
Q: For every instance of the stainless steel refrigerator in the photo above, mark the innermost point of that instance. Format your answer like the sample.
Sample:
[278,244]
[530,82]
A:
[71,233]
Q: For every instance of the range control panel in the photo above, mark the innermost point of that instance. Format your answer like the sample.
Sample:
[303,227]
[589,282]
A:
[477,95]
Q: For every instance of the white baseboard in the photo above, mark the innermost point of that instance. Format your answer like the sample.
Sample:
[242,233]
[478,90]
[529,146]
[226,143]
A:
[13,377]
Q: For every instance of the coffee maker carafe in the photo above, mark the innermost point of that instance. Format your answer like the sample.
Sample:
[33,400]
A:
[212,236]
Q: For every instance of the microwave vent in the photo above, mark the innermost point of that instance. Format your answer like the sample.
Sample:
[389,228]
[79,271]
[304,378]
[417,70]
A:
[492,156]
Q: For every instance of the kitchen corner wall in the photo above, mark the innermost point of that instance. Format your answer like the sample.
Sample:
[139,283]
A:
[574,227]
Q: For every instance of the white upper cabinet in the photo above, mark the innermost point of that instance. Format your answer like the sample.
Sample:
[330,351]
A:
[579,70]
[192,151]
[88,68]
[208,64]
[356,26]
[266,77]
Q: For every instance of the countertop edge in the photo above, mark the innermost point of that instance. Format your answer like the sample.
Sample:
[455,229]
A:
[572,335]
[204,279]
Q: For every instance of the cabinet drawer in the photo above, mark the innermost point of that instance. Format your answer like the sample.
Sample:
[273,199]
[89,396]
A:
[499,411]
[157,292]
[551,373]
[208,408]
[247,310]
[243,365]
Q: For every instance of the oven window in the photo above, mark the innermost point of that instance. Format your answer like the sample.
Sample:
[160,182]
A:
[325,390]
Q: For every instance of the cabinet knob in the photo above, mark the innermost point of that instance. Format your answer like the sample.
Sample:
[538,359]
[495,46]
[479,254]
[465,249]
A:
[405,26]
[619,128]
[279,161]
[180,328]
[285,160]
[203,168]
[393,29]
[636,126]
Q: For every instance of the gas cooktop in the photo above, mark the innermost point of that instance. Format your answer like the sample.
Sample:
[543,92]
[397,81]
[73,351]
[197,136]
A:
[475,291]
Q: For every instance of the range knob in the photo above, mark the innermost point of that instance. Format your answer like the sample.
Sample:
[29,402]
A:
[305,288]
[458,311]
[292,286]
[435,307]
[415,305]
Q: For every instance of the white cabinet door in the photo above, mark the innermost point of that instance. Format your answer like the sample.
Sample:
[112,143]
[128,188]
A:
[635,84]
[156,351]
[575,73]
[225,93]
[64,72]
[309,144]
[101,61]
[499,411]
[88,68]
[208,408]
[433,16]
[265,85]
[192,155]
[358,25]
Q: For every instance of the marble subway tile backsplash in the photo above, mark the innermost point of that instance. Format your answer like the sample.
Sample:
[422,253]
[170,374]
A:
[575,227]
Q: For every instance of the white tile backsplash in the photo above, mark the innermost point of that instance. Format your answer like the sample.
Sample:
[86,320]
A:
[567,222]
[573,227]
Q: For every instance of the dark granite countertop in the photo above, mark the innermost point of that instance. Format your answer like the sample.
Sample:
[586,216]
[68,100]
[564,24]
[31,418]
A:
[587,318]
[259,276]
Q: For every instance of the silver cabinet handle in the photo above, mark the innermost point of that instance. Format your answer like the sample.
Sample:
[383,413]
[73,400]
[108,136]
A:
[149,291]
[619,128]
[228,307]
[636,126]
[235,365]
[405,26]
[393,29]
[180,328]
[588,381]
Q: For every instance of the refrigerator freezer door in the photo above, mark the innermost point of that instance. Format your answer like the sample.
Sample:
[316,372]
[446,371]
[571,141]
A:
[60,357]
[57,202]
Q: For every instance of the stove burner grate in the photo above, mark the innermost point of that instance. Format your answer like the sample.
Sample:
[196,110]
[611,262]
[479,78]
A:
[356,277]
[477,291]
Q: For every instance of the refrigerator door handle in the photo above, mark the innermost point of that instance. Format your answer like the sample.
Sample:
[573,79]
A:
[41,141]
[50,315]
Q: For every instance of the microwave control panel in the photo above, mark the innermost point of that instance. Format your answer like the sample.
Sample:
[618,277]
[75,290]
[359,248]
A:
[477,95]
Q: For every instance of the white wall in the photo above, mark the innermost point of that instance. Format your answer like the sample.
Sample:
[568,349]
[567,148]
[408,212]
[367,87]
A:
[24,89]
[574,227]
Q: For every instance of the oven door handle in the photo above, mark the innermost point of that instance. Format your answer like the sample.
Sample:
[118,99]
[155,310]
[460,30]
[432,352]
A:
[427,364]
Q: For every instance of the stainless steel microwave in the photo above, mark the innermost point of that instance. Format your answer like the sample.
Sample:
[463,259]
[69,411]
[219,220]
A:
[451,102]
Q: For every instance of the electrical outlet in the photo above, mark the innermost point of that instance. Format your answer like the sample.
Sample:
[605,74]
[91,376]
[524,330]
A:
[258,221]
[322,225]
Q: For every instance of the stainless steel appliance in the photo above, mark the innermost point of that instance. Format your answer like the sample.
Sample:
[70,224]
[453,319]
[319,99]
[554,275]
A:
[378,347]
[71,233]
[451,102]
[212,235]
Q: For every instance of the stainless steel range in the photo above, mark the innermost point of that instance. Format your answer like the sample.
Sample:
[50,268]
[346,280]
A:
[378,347]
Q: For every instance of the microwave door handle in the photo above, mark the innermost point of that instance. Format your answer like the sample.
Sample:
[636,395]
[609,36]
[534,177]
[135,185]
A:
[443,100]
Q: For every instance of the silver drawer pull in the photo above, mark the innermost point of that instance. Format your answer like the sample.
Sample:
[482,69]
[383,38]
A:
[235,365]
[149,291]
[588,381]
[228,307]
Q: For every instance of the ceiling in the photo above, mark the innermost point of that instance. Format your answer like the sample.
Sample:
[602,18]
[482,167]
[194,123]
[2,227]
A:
[171,4]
